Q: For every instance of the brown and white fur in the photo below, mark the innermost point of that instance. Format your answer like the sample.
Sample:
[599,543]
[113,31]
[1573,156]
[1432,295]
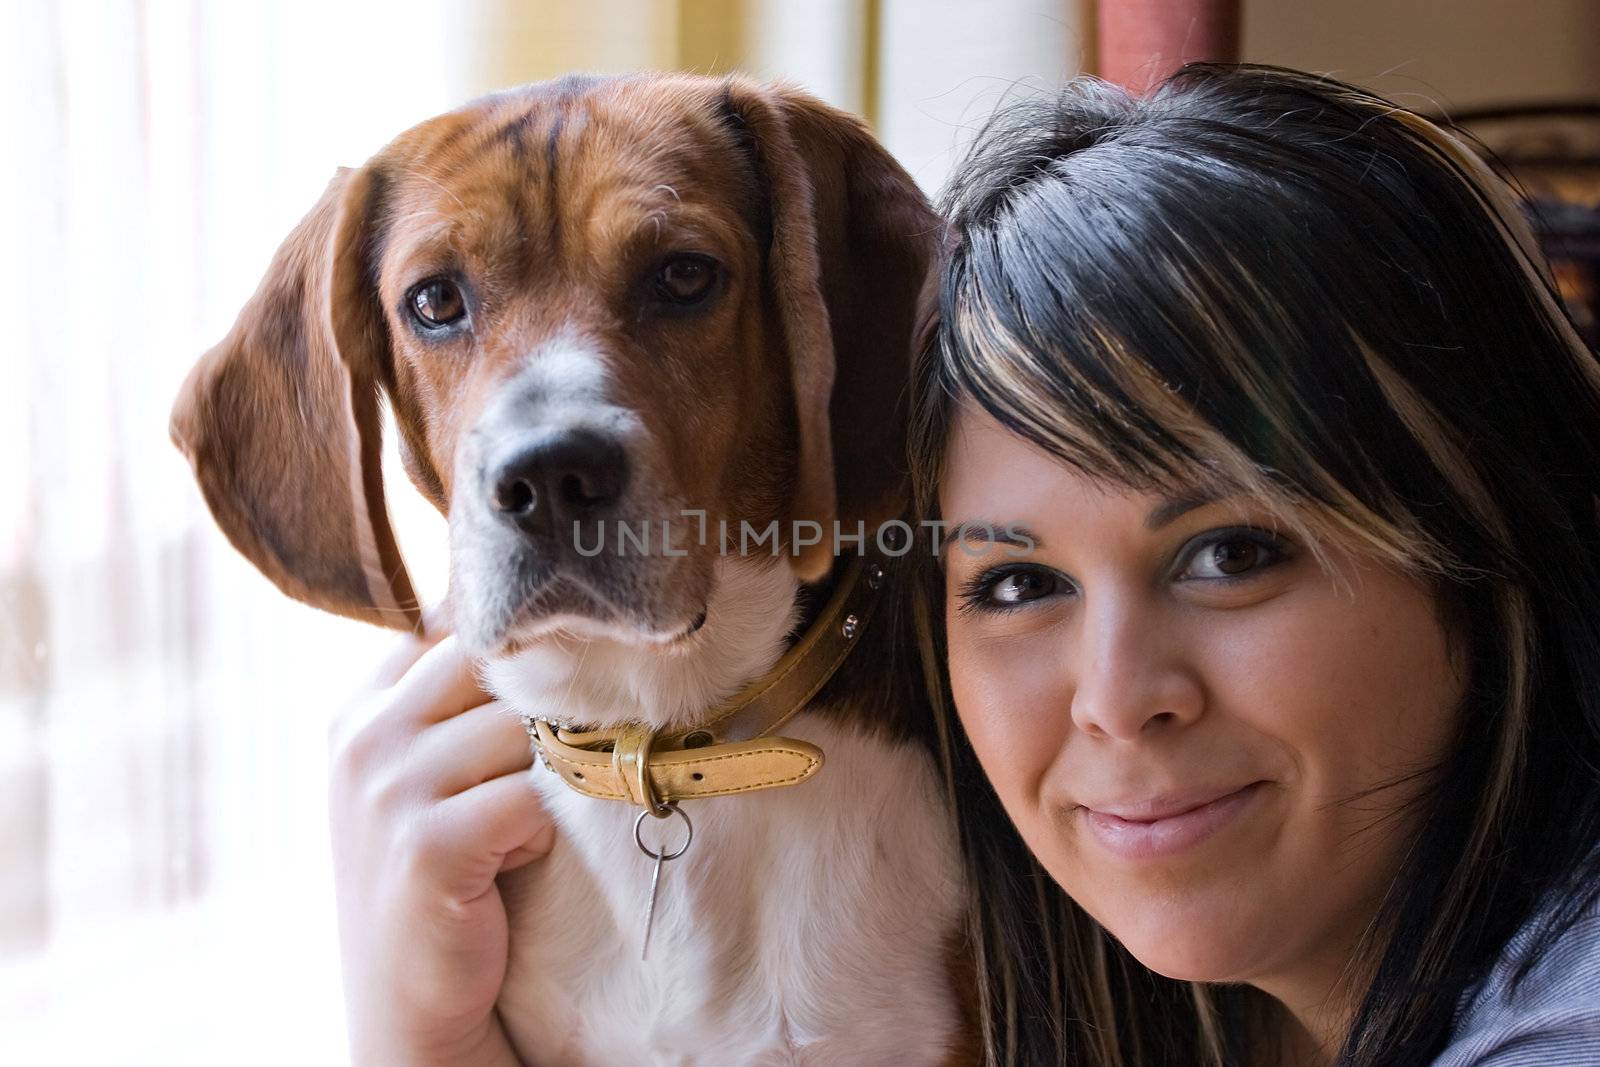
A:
[594,372]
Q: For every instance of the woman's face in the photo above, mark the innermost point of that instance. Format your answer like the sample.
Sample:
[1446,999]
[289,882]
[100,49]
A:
[1194,726]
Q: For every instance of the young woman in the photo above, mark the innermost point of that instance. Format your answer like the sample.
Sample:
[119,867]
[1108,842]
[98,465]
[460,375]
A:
[1271,600]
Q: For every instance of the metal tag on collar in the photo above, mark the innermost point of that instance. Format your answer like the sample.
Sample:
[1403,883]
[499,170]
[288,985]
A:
[660,855]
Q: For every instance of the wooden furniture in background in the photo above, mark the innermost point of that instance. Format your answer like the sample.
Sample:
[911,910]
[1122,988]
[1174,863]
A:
[1551,153]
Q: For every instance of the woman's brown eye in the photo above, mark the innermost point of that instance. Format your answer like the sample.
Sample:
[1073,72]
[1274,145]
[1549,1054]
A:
[686,280]
[1002,590]
[1236,553]
[1235,557]
[438,302]
[1021,586]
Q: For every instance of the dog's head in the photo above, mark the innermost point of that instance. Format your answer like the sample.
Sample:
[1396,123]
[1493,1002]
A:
[613,318]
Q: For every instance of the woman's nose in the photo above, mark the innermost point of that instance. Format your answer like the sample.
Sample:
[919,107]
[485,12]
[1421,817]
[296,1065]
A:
[1131,674]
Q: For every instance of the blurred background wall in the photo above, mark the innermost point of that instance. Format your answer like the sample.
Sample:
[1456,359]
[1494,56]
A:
[1453,53]
[164,878]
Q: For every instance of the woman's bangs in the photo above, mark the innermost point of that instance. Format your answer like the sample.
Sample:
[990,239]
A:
[1074,389]
[1025,345]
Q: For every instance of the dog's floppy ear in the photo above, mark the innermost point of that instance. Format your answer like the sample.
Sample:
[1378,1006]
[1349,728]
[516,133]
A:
[853,242]
[281,421]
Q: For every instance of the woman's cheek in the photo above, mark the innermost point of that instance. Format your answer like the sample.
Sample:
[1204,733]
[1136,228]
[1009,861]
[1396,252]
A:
[1351,690]
[1012,706]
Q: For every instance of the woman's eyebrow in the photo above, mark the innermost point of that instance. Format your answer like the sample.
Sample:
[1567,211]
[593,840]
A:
[989,532]
[1172,507]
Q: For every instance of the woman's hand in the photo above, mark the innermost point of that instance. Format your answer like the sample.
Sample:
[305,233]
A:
[429,801]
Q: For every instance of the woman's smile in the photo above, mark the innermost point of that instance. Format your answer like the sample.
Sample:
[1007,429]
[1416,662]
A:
[1168,825]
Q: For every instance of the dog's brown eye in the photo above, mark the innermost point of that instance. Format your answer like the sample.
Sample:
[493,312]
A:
[686,279]
[438,302]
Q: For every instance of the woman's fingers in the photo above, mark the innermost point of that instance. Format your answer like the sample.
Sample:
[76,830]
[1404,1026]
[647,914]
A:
[406,652]
[479,744]
[480,832]
[379,728]
[444,682]
[429,799]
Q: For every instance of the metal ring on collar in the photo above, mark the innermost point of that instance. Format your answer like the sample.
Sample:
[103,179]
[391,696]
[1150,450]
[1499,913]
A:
[671,808]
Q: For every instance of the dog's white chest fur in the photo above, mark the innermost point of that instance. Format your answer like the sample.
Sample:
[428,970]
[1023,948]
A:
[809,925]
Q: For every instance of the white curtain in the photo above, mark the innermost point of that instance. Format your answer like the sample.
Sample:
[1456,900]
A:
[164,892]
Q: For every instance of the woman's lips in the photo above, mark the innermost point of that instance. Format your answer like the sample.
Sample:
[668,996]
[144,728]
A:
[1164,827]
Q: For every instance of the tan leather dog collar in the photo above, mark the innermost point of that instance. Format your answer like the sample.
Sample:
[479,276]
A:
[733,750]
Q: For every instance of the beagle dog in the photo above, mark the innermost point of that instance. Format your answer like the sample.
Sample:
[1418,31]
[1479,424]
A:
[671,311]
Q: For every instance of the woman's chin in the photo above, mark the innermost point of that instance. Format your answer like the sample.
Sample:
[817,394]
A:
[1193,941]
[1192,963]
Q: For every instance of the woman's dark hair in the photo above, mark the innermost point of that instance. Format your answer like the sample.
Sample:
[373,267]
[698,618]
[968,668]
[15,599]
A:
[1299,290]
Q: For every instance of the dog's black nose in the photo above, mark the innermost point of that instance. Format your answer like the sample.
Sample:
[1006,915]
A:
[564,476]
